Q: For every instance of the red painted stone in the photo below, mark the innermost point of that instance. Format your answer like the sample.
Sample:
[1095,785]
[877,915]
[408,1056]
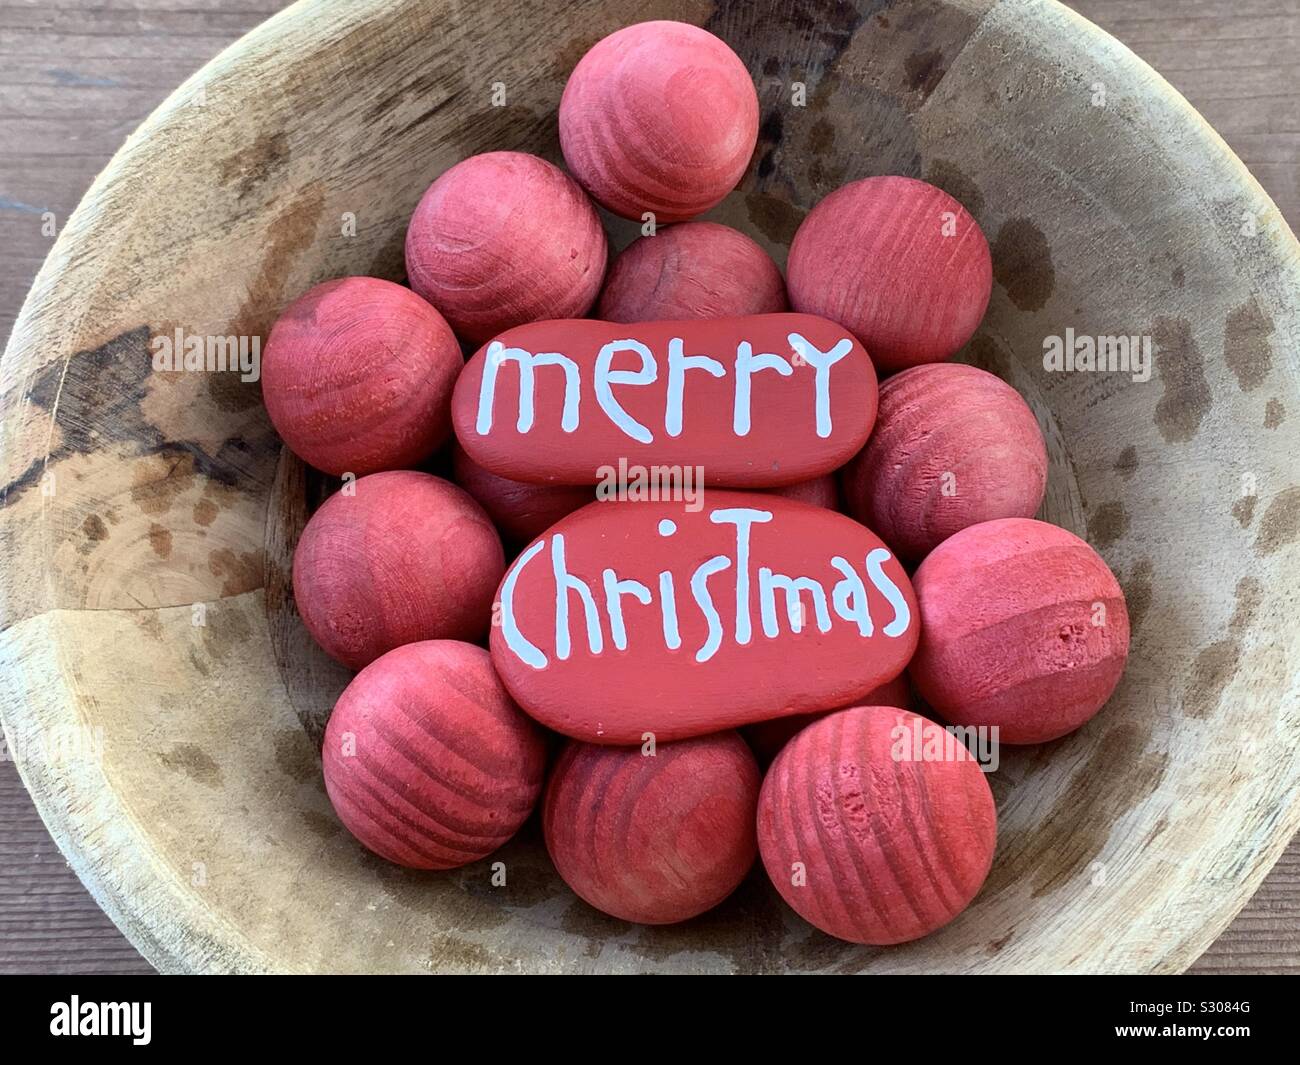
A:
[897,261]
[953,446]
[865,838]
[691,270]
[703,640]
[1023,627]
[357,376]
[660,117]
[427,761]
[505,238]
[405,556]
[768,737]
[778,410]
[520,511]
[653,839]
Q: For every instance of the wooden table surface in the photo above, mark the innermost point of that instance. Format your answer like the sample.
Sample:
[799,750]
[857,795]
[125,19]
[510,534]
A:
[76,79]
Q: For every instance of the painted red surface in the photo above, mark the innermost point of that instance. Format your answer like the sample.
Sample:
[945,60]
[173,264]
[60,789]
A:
[520,511]
[897,261]
[785,398]
[427,761]
[653,839]
[865,837]
[691,270]
[659,117]
[706,641]
[953,446]
[1023,627]
[768,737]
[357,376]
[505,238]
[406,557]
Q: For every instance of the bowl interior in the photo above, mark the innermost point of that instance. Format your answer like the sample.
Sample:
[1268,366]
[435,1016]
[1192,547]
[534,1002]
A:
[150,514]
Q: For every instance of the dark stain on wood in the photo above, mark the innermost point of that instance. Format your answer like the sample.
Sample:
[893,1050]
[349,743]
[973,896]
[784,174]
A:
[1107,524]
[1022,264]
[1138,589]
[1274,413]
[112,381]
[1180,366]
[251,168]
[1217,664]
[326,826]
[1281,522]
[240,571]
[95,532]
[160,540]
[1127,463]
[1247,349]
[294,755]
[924,71]
[950,177]
[194,762]
[205,512]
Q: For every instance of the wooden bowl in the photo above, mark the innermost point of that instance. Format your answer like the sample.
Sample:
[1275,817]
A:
[165,703]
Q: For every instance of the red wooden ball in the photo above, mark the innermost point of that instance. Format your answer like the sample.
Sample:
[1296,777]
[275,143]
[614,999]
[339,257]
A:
[952,446]
[660,117]
[768,737]
[691,270]
[653,839]
[502,239]
[899,263]
[357,376]
[867,840]
[398,557]
[821,491]
[427,761]
[1023,626]
[521,512]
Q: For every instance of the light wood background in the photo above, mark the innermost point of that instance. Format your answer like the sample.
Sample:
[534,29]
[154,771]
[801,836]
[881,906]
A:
[76,79]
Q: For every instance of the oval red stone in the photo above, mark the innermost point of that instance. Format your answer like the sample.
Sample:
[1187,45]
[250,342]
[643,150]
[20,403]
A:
[751,402]
[679,620]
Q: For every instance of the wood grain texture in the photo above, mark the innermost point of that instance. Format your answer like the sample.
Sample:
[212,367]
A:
[866,835]
[658,120]
[899,262]
[426,759]
[395,558]
[653,834]
[953,445]
[1023,628]
[691,270]
[74,82]
[77,79]
[502,239]
[335,392]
